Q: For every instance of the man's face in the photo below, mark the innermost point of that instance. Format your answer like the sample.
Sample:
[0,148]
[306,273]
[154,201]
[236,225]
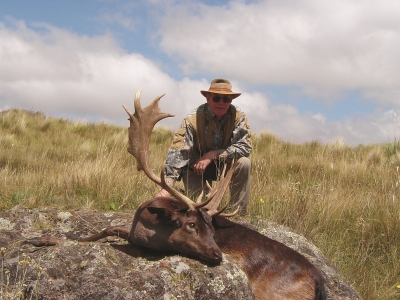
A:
[219,103]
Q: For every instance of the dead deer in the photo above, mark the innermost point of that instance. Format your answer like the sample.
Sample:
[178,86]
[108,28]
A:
[174,225]
[200,230]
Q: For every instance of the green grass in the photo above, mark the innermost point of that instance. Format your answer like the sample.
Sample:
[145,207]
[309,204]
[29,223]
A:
[346,200]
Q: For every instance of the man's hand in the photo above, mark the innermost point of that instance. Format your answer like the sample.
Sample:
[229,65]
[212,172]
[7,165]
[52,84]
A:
[201,165]
[163,193]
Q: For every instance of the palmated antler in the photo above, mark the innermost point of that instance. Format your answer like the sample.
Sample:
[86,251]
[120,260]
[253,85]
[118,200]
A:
[141,126]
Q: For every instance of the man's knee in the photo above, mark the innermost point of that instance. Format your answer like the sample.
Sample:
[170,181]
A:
[243,164]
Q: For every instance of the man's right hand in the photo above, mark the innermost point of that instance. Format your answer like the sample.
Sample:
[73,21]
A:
[201,165]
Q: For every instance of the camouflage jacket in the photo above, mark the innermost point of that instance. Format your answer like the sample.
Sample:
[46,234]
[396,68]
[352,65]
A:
[201,132]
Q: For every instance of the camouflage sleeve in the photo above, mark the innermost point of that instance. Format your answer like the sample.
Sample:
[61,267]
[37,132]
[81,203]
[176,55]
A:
[179,152]
[241,141]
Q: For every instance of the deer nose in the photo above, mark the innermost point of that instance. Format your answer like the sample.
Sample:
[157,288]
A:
[217,255]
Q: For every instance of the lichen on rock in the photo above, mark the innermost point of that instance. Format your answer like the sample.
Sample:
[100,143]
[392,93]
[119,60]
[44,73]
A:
[75,270]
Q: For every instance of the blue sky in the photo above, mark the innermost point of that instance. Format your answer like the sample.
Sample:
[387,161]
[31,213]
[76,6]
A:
[307,70]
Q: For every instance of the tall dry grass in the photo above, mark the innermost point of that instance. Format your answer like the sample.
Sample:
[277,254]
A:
[53,162]
[345,200]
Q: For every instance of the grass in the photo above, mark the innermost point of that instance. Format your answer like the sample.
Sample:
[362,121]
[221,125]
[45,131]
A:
[53,162]
[14,285]
[344,199]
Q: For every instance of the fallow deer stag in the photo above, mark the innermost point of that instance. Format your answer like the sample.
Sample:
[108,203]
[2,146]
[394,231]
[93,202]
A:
[175,225]
[200,230]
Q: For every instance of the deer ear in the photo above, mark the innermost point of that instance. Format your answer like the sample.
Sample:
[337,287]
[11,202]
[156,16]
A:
[161,212]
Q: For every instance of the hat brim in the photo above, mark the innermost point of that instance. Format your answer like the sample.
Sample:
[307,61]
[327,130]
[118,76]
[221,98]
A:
[235,95]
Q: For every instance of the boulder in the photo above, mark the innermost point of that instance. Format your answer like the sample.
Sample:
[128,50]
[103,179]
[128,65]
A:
[115,270]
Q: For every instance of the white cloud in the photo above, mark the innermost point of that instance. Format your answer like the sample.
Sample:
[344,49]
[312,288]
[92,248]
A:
[65,74]
[320,117]
[121,19]
[321,44]
[62,73]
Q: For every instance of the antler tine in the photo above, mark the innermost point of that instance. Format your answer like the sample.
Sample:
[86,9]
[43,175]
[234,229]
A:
[212,191]
[140,128]
[176,194]
[210,195]
[198,200]
[220,212]
[216,194]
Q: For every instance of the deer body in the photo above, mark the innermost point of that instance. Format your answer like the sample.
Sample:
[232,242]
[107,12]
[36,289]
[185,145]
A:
[275,271]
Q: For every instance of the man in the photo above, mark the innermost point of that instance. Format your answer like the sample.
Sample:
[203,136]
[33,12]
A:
[210,136]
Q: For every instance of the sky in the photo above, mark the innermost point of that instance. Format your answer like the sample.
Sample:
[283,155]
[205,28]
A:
[308,70]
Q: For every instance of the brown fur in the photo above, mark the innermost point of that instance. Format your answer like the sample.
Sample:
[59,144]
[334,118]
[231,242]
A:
[274,270]
[164,225]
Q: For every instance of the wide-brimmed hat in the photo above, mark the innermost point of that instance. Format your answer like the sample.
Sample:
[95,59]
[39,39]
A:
[220,86]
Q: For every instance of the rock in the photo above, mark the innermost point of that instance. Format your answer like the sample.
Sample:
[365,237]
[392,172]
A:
[115,270]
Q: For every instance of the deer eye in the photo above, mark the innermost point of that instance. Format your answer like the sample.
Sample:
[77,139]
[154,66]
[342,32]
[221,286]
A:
[192,225]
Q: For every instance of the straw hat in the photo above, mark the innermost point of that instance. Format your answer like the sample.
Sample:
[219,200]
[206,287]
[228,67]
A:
[221,86]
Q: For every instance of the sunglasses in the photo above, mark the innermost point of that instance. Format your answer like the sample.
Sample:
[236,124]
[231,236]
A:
[216,99]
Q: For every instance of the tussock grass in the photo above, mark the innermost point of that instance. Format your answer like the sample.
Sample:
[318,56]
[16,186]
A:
[345,200]
[53,162]
[13,285]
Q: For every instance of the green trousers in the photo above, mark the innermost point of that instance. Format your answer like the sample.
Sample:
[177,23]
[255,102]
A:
[239,187]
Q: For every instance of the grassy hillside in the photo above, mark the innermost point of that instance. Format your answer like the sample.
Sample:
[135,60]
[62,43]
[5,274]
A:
[345,200]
